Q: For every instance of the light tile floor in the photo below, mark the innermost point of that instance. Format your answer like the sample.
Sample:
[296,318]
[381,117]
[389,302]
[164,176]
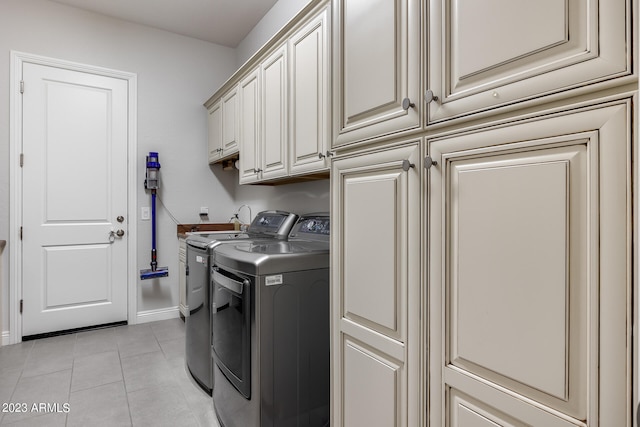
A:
[122,376]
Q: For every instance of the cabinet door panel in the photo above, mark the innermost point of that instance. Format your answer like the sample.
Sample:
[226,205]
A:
[274,115]
[494,53]
[372,289]
[519,314]
[230,123]
[377,65]
[372,387]
[309,79]
[249,92]
[214,122]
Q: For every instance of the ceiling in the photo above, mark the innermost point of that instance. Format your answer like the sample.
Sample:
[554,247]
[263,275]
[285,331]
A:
[225,22]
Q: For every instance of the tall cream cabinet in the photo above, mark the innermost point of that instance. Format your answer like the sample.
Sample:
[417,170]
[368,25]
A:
[281,99]
[376,288]
[487,278]
[529,272]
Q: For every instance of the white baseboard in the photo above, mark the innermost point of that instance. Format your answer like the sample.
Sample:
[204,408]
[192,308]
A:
[159,314]
[6,335]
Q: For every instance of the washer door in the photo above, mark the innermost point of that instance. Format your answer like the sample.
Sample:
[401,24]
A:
[231,328]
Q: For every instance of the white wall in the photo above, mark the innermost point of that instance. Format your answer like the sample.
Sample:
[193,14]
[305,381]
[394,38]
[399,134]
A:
[176,75]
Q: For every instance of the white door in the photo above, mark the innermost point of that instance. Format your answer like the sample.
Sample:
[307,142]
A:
[530,274]
[74,189]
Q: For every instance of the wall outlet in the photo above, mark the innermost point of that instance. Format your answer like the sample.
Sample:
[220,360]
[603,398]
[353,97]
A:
[204,210]
[145,213]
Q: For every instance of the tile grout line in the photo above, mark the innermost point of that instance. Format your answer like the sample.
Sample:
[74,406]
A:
[73,365]
[124,384]
[15,387]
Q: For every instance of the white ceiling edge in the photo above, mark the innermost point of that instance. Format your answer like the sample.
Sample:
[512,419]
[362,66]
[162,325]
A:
[224,22]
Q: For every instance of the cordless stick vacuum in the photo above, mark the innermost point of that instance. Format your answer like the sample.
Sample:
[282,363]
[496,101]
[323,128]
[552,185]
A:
[151,183]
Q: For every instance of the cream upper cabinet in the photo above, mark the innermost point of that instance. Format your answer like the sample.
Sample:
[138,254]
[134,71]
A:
[376,288]
[274,115]
[249,130]
[214,122]
[530,267]
[488,54]
[230,122]
[275,111]
[309,80]
[224,125]
[376,63]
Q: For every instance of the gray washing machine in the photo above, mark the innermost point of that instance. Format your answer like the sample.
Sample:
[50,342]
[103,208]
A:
[266,226]
[270,323]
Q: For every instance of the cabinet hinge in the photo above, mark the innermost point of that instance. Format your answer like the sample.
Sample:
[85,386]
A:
[21,159]
[20,232]
[21,86]
[21,305]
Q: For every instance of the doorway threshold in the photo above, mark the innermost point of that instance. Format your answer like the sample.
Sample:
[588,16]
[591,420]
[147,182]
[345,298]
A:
[73,331]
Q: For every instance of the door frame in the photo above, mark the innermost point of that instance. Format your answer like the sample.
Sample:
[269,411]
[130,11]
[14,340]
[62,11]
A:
[18,59]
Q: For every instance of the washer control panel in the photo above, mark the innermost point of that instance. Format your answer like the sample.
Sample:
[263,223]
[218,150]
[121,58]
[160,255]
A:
[312,225]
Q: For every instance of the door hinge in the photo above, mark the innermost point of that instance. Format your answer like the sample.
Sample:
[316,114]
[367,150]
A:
[21,159]
[21,305]
[21,86]
[20,232]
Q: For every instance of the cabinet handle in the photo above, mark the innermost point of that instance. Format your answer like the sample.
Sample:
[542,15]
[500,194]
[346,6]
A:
[428,162]
[321,156]
[406,165]
[257,170]
[429,96]
[330,153]
[406,104]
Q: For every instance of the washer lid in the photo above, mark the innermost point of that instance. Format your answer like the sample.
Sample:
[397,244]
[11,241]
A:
[258,258]
[203,241]
[266,225]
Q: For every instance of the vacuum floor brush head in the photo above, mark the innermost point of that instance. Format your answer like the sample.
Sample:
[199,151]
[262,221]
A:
[150,274]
